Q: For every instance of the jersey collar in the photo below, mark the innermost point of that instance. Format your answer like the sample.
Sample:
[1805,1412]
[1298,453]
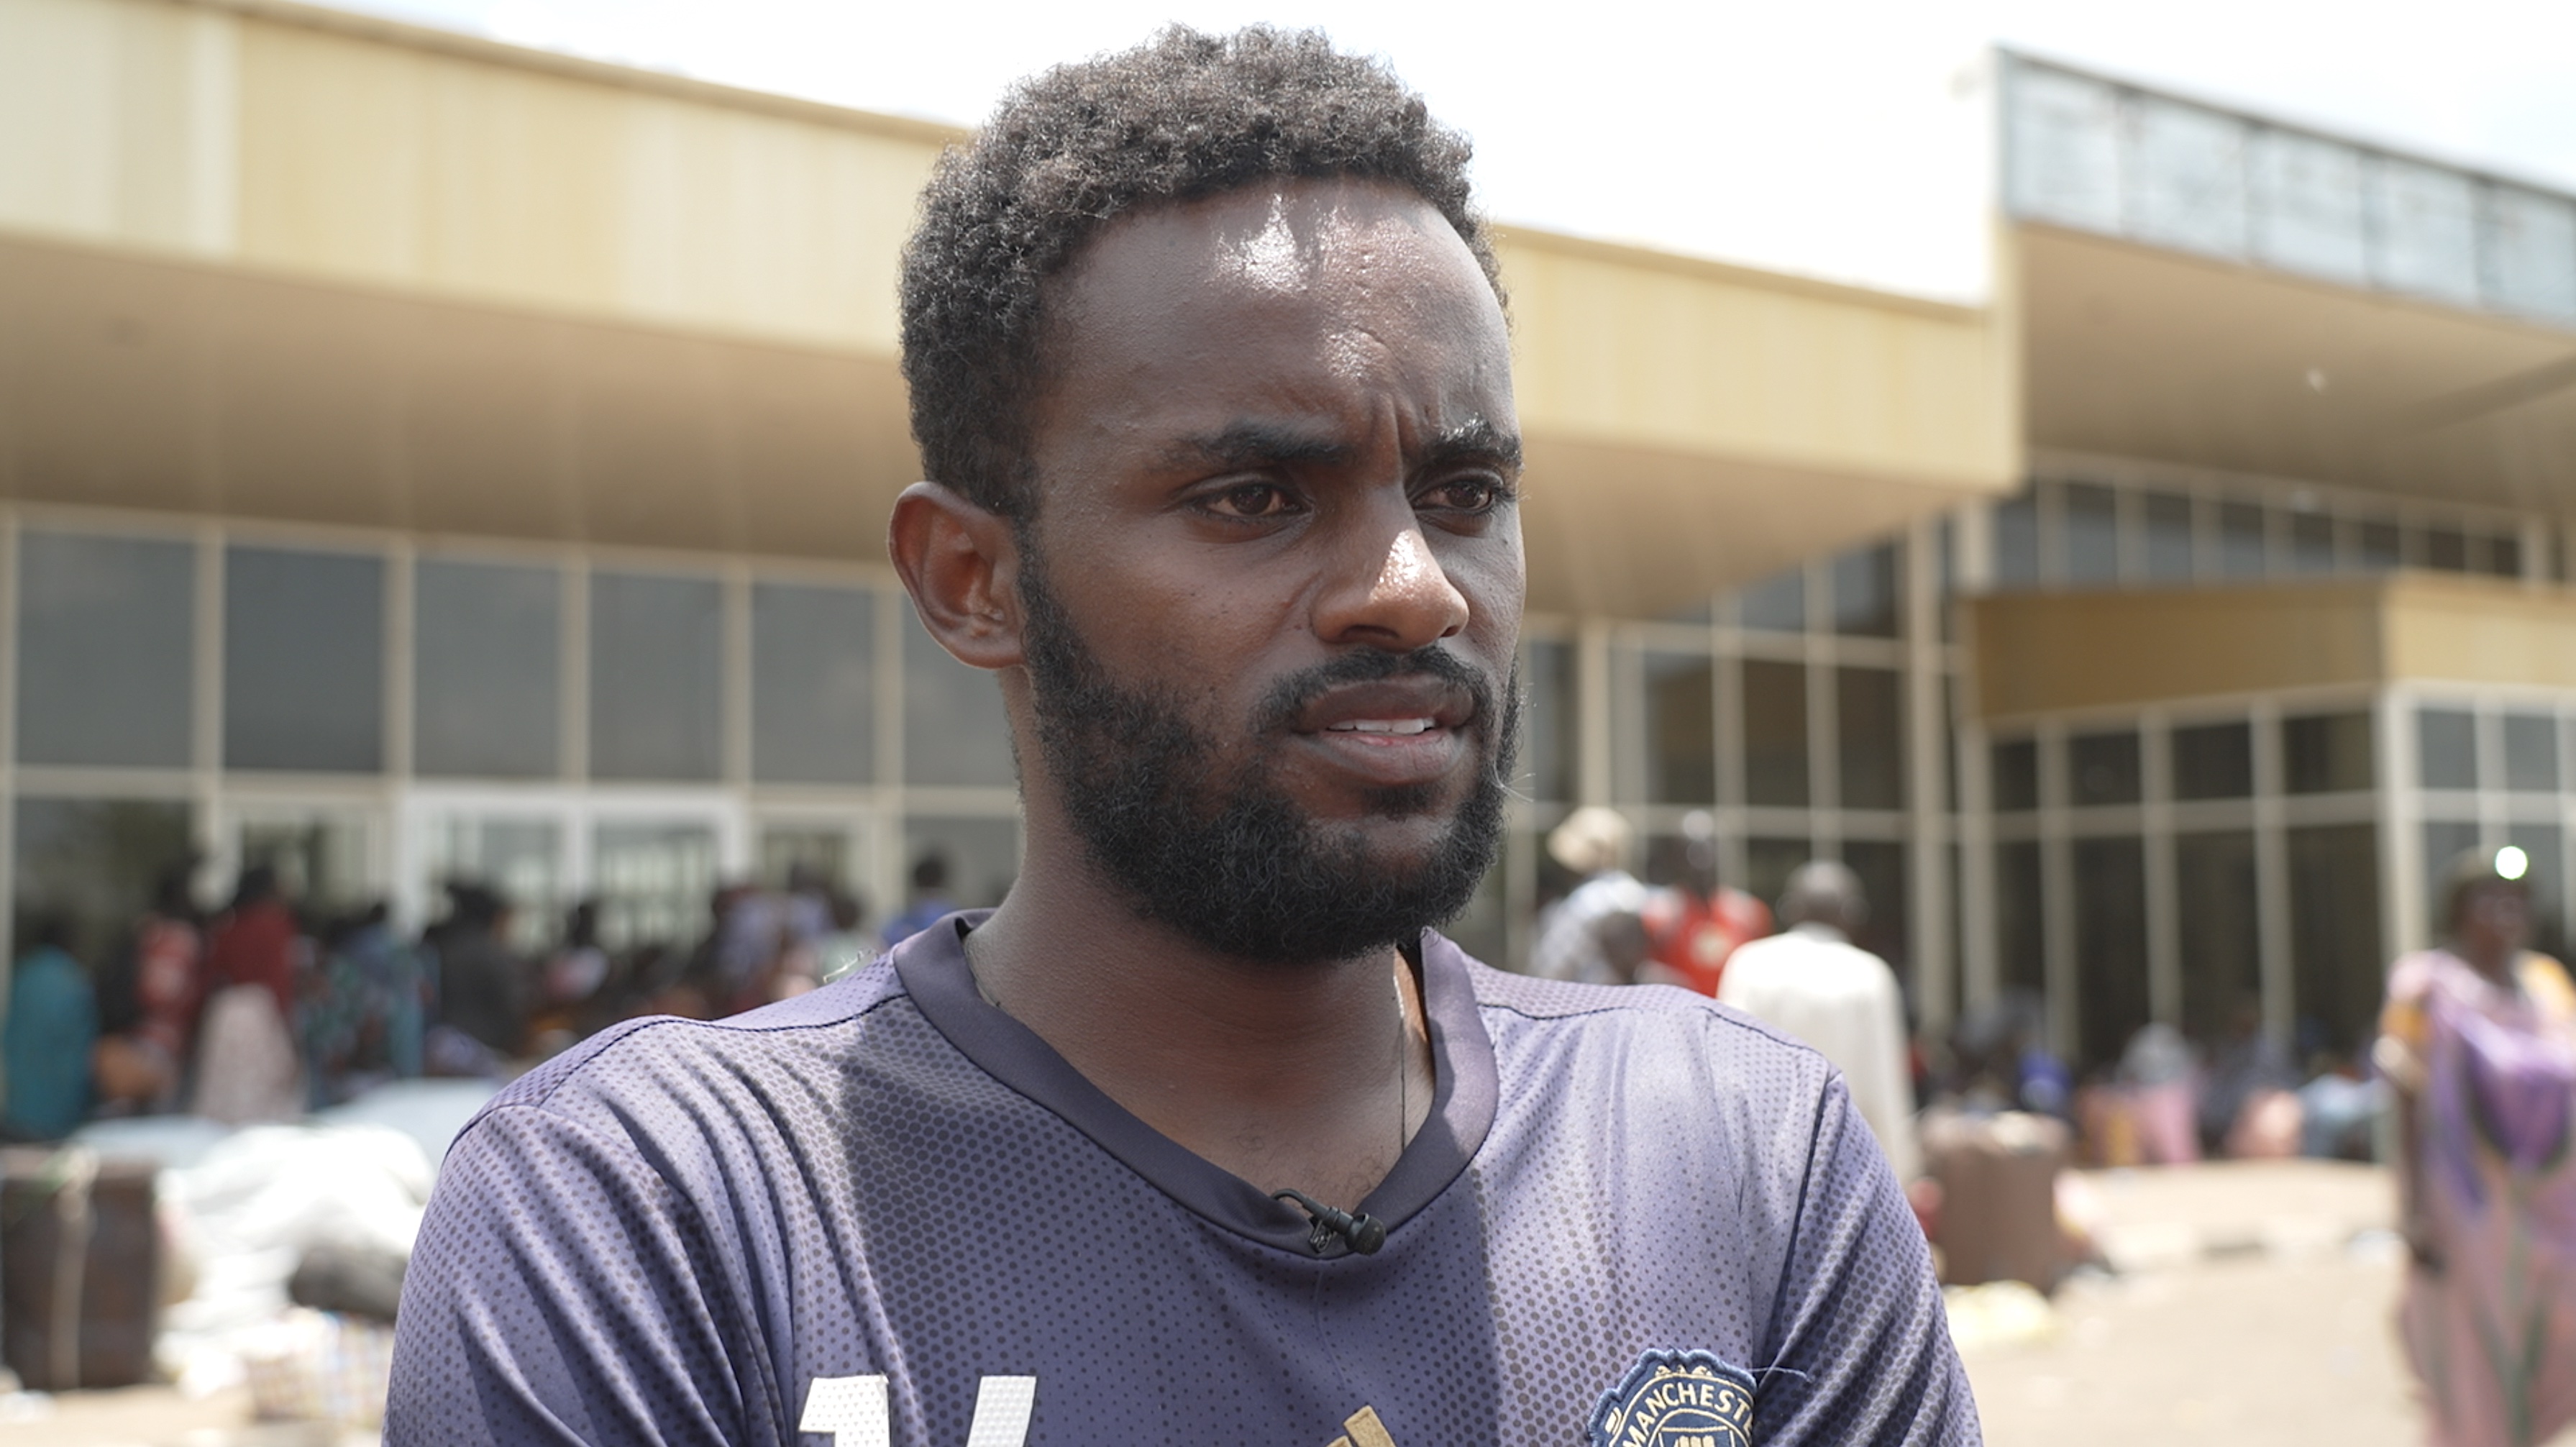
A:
[932,965]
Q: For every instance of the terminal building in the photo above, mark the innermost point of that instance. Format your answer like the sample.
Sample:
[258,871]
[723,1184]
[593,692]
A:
[423,457]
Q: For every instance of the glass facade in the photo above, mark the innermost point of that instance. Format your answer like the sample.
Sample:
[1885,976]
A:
[373,718]
[2090,153]
[487,694]
[2260,854]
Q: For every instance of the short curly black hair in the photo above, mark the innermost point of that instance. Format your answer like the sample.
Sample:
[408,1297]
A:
[1185,116]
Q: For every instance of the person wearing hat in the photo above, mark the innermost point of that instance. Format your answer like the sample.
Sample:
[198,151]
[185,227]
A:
[1596,935]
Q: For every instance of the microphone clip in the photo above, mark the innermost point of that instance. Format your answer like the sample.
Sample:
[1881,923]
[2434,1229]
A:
[1363,1233]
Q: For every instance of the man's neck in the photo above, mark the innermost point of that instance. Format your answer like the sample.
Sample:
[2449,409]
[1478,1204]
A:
[1309,1076]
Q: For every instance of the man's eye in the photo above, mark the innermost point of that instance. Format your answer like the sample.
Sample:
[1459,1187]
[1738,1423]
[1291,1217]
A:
[1466,494]
[1252,500]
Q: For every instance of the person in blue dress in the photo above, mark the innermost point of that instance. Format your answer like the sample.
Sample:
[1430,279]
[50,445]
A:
[53,1023]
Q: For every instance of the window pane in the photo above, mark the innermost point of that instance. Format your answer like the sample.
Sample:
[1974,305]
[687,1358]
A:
[1881,867]
[2213,761]
[1865,592]
[2382,547]
[320,859]
[1768,864]
[2531,238]
[1777,603]
[2543,877]
[656,677]
[2335,954]
[92,863]
[2504,556]
[2168,537]
[2444,841]
[2219,938]
[2020,919]
[2092,534]
[813,715]
[1483,928]
[105,650]
[304,672]
[2240,540]
[2310,218]
[520,857]
[2423,229]
[980,857]
[2017,542]
[2015,774]
[2065,148]
[1775,732]
[2446,549]
[954,730]
[2103,768]
[2186,176]
[789,852]
[1681,728]
[2327,753]
[1873,738]
[2446,745]
[1547,730]
[2312,548]
[2531,753]
[2111,941]
[487,657]
[653,881]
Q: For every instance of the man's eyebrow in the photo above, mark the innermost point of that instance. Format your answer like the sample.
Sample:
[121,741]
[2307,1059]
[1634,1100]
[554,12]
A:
[1248,443]
[1475,437]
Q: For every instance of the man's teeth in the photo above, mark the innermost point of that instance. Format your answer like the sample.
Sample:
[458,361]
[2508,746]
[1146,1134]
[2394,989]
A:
[1381,726]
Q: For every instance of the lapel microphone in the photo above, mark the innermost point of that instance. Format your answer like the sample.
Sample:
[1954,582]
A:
[1363,1233]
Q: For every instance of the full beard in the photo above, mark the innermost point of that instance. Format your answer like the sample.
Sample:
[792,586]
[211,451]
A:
[1223,856]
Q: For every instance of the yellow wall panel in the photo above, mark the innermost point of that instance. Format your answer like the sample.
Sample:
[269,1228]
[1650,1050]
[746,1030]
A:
[1667,352]
[429,170]
[2041,653]
[2038,653]
[2467,630]
[116,121]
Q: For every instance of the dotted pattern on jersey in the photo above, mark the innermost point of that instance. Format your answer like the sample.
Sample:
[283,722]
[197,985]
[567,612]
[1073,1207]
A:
[667,1235]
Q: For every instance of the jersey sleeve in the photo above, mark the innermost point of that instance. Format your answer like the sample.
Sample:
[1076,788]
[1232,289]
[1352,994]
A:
[1860,1352]
[561,1293]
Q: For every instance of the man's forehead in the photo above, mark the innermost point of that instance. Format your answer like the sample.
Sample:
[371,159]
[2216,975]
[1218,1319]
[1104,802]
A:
[1277,239]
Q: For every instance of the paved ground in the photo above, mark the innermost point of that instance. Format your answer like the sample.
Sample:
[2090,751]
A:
[2242,1351]
[151,1417]
[2252,1308]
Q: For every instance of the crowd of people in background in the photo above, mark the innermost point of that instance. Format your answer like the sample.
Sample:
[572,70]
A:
[2167,1100]
[268,1008]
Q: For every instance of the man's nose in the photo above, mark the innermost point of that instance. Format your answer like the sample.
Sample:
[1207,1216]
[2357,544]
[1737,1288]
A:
[1388,590]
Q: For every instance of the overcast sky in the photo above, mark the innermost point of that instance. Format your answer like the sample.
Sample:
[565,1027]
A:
[1839,138]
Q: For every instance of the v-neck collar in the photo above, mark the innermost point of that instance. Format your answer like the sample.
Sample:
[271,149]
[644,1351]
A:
[932,965]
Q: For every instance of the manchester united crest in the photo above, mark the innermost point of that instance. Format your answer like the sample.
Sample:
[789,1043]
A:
[1676,1399]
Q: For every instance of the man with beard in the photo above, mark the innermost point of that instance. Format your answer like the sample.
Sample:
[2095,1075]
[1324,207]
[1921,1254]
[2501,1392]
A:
[1205,1134]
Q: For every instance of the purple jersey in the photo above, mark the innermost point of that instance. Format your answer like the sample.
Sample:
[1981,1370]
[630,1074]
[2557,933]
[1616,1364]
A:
[887,1213]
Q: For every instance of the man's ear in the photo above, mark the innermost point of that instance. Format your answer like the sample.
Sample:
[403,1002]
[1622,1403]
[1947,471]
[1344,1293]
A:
[961,563]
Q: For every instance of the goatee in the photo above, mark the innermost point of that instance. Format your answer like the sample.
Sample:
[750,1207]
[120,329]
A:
[1222,855]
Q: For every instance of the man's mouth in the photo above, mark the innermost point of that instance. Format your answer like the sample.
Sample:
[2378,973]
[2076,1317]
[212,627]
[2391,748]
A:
[1394,726]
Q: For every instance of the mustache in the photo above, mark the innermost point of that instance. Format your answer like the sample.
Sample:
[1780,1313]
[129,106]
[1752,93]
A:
[1289,697]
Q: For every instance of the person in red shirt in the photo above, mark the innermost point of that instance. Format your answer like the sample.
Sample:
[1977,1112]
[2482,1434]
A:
[1693,925]
[255,942]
